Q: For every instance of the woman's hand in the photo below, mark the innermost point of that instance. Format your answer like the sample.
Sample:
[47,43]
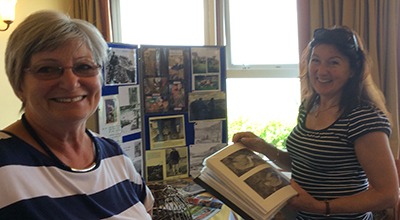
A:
[304,201]
[251,141]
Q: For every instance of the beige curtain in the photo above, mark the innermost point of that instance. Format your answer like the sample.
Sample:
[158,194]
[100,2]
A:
[96,12]
[377,22]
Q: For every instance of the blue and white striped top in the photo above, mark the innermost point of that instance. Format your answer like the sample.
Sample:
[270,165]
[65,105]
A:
[33,187]
[324,162]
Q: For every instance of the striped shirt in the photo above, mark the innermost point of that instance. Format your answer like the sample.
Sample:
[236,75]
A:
[33,187]
[324,162]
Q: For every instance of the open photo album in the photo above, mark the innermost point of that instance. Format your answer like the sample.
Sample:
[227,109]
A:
[245,182]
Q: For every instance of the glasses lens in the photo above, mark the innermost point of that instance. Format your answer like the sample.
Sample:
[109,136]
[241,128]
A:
[46,72]
[53,71]
[86,70]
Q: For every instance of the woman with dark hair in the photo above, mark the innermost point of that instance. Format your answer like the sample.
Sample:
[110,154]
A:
[339,152]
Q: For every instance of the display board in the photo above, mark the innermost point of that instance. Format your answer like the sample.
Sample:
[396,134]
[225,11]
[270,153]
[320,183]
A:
[169,101]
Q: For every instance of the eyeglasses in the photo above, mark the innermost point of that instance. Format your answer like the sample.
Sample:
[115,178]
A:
[52,71]
[340,35]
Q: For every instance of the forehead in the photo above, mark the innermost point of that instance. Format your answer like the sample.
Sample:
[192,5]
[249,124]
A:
[67,51]
[327,50]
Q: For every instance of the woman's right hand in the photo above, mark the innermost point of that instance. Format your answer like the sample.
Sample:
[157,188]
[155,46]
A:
[251,141]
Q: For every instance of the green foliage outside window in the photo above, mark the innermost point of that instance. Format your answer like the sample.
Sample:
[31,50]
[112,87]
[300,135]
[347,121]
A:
[274,132]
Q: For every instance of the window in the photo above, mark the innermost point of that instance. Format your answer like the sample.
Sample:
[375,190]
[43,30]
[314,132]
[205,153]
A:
[263,88]
[159,22]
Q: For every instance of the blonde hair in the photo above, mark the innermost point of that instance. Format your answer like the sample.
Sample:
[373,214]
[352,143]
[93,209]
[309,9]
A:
[48,30]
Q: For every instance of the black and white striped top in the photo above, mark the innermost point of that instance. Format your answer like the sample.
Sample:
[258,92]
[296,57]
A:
[324,162]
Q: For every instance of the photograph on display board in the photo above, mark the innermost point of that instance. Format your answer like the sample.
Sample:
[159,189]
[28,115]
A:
[155,86]
[177,97]
[155,62]
[176,162]
[205,60]
[207,106]
[155,165]
[176,64]
[168,131]
[207,132]
[199,152]
[109,123]
[156,104]
[133,149]
[120,67]
[206,82]
[129,102]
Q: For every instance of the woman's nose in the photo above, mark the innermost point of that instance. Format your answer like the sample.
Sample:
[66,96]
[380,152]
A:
[323,68]
[69,80]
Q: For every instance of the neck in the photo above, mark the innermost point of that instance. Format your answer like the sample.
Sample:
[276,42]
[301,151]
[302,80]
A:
[73,149]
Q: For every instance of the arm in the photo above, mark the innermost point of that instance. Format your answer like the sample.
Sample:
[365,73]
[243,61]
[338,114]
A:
[255,143]
[375,157]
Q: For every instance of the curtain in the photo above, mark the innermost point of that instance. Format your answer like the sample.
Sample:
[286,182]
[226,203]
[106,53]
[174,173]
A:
[377,23]
[96,12]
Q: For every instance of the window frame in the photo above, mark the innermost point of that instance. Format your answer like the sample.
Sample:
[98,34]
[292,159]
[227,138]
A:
[252,71]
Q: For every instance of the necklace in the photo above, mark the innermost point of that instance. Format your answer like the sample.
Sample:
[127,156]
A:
[318,111]
[29,128]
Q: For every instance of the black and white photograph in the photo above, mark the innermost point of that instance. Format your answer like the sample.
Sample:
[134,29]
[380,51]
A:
[167,131]
[129,102]
[207,132]
[120,67]
[207,106]
[176,161]
[155,161]
[266,181]
[133,149]
[199,152]
[242,161]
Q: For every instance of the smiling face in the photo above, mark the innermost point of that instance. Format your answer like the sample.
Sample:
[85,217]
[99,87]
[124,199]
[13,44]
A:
[69,98]
[329,70]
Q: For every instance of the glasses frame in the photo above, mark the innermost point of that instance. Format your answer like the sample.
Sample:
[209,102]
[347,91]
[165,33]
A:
[61,72]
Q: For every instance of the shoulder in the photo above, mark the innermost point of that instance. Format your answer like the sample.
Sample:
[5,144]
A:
[365,119]
[108,146]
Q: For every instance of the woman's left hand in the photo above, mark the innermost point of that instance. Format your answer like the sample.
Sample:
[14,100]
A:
[304,201]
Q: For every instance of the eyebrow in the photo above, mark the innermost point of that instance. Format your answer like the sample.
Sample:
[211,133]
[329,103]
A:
[334,57]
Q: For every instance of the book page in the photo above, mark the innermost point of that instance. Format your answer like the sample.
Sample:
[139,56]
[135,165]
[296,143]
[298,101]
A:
[248,175]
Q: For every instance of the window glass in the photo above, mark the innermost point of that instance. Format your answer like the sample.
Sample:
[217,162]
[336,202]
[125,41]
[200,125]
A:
[160,22]
[266,106]
[263,32]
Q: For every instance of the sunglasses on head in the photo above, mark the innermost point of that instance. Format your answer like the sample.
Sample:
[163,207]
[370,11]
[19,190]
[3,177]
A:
[340,36]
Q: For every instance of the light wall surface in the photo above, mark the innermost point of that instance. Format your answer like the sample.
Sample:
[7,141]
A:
[9,103]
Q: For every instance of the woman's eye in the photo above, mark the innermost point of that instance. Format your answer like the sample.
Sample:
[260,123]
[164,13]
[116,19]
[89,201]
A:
[334,63]
[83,67]
[47,69]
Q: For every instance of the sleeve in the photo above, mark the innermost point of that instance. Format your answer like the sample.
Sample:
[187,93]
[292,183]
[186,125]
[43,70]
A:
[149,200]
[366,120]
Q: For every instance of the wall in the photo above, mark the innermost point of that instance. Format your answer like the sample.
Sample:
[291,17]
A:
[9,103]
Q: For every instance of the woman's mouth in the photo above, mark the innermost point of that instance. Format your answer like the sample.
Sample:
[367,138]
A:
[324,80]
[67,100]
